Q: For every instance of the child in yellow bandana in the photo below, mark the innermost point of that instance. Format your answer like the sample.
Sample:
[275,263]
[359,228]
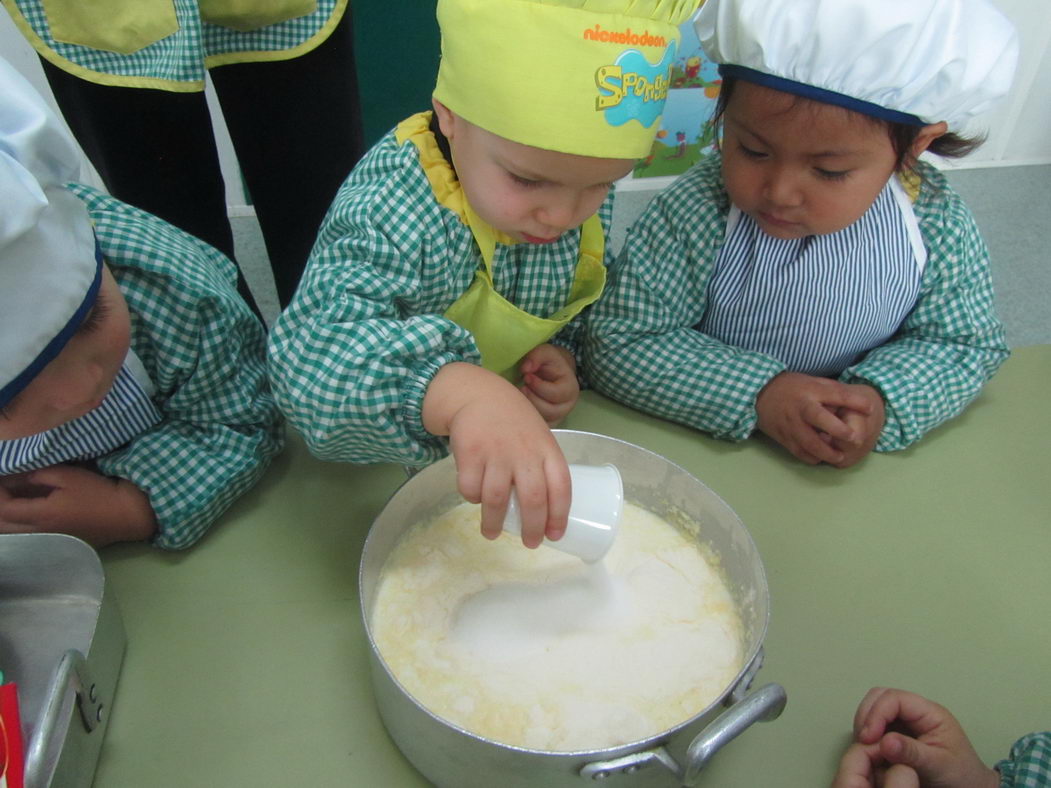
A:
[459,252]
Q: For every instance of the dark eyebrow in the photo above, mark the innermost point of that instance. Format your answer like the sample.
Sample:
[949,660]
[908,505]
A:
[529,175]
[832,154]
[748,130]
[825,154]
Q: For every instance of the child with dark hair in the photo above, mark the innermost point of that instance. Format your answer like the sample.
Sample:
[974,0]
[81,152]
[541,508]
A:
[815,280]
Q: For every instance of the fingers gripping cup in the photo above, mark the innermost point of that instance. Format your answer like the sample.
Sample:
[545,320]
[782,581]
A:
[594,514]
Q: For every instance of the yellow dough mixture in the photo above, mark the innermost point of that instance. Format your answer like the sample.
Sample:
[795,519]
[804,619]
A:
[537,649]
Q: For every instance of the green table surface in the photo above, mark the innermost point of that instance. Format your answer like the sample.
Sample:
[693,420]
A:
[928,569]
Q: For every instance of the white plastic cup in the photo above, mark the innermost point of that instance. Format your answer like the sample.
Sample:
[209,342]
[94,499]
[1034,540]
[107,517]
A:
[594,513]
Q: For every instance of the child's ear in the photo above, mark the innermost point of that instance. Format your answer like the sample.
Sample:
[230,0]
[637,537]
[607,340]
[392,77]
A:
[445,117]
[927,135]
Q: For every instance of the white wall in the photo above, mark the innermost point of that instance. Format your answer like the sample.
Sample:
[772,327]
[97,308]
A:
[1019,129]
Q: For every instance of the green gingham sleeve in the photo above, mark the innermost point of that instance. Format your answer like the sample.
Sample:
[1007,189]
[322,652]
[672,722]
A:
[640,346]
[205,353]
[1029,765]
[952,342]
[352,356]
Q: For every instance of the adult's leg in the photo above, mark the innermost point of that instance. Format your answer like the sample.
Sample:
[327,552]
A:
[296,127]
[154,149]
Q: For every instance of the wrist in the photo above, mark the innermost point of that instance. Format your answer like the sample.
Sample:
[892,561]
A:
[771,386]
[568,357]
[139,521]
[453,387]
[764,395]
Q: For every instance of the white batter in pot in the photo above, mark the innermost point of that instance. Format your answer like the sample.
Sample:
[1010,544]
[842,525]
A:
[536,649]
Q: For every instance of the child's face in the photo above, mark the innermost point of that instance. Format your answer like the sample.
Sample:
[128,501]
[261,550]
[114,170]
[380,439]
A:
[531,194]
[800,167]
[80,376]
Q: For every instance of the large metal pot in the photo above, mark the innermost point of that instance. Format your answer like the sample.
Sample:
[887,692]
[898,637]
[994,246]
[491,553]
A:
[451,756]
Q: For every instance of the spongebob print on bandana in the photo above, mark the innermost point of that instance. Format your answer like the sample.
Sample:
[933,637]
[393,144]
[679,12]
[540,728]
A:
[632,88]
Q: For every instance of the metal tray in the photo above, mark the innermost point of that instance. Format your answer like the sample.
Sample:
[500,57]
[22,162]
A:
[62,641]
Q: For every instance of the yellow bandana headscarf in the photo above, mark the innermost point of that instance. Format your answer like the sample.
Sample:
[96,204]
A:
[588,77]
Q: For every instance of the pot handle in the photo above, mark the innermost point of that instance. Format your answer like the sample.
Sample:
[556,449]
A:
[72,671]
[763,705]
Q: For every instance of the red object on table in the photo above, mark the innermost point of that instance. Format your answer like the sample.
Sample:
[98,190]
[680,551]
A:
[11,752]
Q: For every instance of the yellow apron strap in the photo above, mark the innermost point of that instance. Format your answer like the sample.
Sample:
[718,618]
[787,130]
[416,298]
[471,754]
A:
[592,238]
[484,236]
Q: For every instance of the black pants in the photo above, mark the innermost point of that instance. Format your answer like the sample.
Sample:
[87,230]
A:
[296,129]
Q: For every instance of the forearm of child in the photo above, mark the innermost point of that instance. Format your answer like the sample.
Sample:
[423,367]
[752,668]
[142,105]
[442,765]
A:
[681,375]
[951,343]
[188,497]
[924,384]
[66,499]
[366,407]
[139,521]
[1029,762]
[500,441]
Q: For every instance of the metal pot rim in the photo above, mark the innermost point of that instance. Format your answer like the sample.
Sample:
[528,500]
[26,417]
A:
[733,692]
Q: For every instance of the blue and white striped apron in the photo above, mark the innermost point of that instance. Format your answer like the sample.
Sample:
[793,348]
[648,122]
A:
[818,303]
[126,411]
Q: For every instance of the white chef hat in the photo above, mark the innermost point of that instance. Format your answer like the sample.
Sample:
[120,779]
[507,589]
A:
[907,61]
[50,267]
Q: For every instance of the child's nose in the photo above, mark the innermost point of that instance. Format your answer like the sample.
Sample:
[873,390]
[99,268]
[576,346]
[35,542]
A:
[560,214]
[780,188]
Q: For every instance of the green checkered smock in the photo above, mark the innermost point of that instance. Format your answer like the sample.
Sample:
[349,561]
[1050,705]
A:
[641,347]
[1029,765]
[352,356]
[173,45]
[204,351]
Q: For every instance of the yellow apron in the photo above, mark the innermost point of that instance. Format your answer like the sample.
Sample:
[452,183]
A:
[503,332]
[127,26]
[245,15]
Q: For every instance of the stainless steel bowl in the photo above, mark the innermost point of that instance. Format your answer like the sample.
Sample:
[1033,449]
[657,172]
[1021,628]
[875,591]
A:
[452,756]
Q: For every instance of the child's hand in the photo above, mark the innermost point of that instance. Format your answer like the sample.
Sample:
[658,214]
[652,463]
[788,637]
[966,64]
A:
[549,381]
[933,750]
[500,441]
[66,499]
[799,412]
[866,427]
[863,767]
